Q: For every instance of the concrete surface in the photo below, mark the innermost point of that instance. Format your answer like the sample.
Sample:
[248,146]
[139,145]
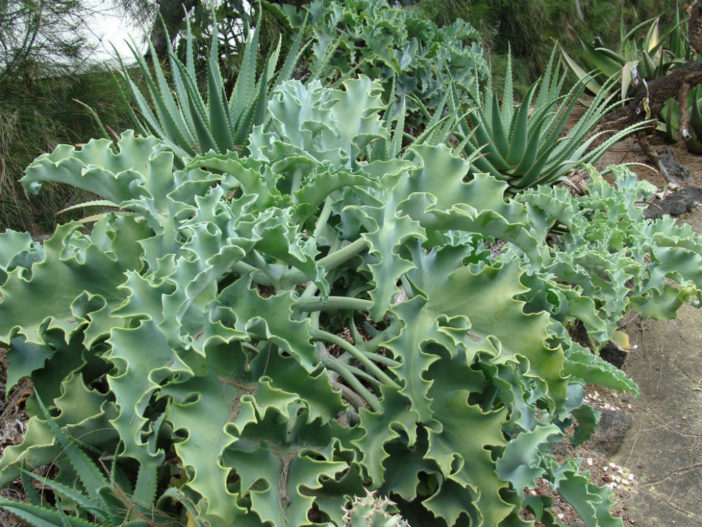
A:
[664,446]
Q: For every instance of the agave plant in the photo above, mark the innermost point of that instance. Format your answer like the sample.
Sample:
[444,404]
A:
[191,123]
[636,59]
[669,120]
[524,144]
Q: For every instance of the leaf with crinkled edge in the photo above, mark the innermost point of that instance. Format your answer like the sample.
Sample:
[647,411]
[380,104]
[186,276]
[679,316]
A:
[321,123]
[461,293]
[386,232]
[592,369]
[96,168]
[356,113]
[660,304]
[177,295]
[419,327]
[592,503]
[519,393]
[250,174]
[277,458]
[24,358]
[678,263]
[454,291]
[299,123]
[278,235]
[441,173]
[285,374]
[319,185]
[587,419]
[68,271]
[477,206]
[199,412]
[451,500]
[380,428]
[519,463]
[269,319]
[334,495]
[11,244]
[469,463]
[143,359]
[406,469]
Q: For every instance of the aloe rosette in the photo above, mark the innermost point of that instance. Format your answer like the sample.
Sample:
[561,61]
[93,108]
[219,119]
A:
[192,122]
[266,337]
[526,144]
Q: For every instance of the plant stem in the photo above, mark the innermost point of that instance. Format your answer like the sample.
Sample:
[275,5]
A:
[330,261]
[360,374]
[332,303]
[296,181]
[355,384]
[323,217]
[356,353]
[258,276]
[382,359]
[340,256]
[260,263]
[389,332]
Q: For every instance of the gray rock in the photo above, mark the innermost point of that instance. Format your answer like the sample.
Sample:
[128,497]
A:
[610,434]
[676,203]
[674,168]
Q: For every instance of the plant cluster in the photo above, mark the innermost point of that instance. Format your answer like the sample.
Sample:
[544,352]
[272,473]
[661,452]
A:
[638,60]
[259,332]
[605,258]
[525,143]
[397,46]
[190,122]
[261,337]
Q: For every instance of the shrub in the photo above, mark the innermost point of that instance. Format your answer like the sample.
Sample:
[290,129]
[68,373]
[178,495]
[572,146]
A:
[271,335]
[605,258]
[408,53]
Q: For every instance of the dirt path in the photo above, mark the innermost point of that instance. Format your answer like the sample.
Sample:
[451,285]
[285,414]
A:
[664,445]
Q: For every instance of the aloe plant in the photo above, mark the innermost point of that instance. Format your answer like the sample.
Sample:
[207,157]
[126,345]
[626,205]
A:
[526,144]
[281,331]
[669,121]
[190,122]
[99,499]
[636,59]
